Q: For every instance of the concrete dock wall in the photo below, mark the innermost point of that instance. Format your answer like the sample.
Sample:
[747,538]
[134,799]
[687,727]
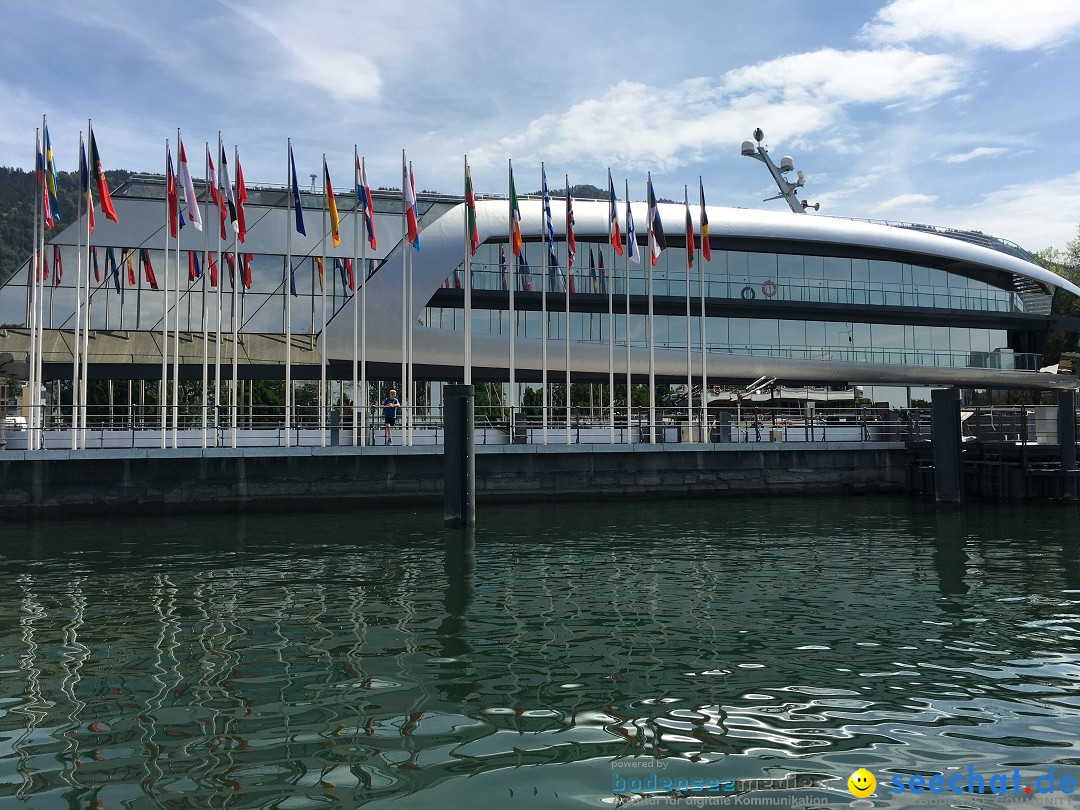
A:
[66,482]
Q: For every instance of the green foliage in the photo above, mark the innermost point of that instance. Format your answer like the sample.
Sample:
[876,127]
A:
[18,192]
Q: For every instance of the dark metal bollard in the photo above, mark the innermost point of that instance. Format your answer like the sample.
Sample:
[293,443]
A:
[335,427]
[945,435]
[459,457]
[1066,426]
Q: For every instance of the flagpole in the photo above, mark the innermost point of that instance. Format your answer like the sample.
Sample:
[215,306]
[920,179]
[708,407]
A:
[287,282]
[322,331]
[543,305]
[629,236]
[363,314]
[217,329]
[176,313]
[76,396]
[32,314]
[467,370]
[205,272]
[689,361]
[404,275]
[611,321]
[357,224]
[411,367]
[512,279]
[163,392]
[651,336]
[705,437]
[566,299]
[83,400]
[237,280]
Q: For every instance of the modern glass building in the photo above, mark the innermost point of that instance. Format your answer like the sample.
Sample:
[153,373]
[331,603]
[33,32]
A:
[808,300]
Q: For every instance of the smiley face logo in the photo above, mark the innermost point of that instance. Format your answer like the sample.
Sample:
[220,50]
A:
[861,783]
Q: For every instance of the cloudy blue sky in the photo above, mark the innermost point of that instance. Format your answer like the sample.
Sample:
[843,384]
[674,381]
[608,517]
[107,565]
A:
[959,112]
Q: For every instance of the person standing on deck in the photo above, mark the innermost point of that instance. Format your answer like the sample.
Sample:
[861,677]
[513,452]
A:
[391,406]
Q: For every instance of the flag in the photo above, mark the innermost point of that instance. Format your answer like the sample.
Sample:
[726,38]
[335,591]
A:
[363,194]
[43,186]
[632,252]
[53,208]
[603,275]
[170,193]
[706,250]
[212,267]
[211,179]
[592,271]
[129,261]
[58,266]
[228,202]
[93,261]
[547,215]
[331,205]
[241,198]
[191,202]
[148,269]
[229,260]
[247,267]
[412,220]
[112,268]
[317,261]
[84,185]
[502,268]
[524,271]
[470,212]
[105,199]
[690,247]
[351,276]
[516,241]
[194,270]
[571,241]
[297,207]
[292,275]
[657,242]
[613,218]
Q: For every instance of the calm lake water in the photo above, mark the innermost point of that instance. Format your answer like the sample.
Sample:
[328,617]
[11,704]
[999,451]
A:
[343,658]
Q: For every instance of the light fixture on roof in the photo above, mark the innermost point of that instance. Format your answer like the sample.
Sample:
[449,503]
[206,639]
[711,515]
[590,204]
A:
[787,188]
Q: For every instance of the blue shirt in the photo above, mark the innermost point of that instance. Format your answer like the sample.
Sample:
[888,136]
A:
[391,412]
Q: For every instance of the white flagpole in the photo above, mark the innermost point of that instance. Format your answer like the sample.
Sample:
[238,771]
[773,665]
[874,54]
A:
[629,407]
[235,315]
[411,367]
[322,330]
[83,399]
[689,360]
[205,273]
[511,274]
[544,203]
[217,330]
[404,279]
[467,370]
[163,391]
[611,324]
[287,288]
[357,224]
[76,396]
[652,342]
[566,300]
[363,314]
[176,313]
[32,314]
[705,437]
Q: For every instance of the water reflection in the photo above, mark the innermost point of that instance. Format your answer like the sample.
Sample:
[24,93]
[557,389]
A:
[293,662]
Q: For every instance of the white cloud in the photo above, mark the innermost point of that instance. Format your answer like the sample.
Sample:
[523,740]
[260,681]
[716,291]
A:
[1005,24]
[978,152]
[641,126]
[904,201]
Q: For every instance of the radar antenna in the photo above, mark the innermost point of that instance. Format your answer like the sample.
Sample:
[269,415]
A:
[787,188]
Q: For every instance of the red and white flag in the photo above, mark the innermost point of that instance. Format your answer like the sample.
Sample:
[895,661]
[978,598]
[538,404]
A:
[241,198]
[191,202]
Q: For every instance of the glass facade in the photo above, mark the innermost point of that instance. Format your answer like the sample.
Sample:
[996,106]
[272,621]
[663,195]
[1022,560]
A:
[768,277]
